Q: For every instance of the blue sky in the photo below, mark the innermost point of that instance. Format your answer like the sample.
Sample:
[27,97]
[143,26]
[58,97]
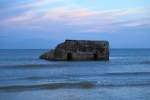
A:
[45,23]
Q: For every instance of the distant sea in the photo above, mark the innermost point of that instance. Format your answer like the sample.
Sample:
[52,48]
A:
[23,76]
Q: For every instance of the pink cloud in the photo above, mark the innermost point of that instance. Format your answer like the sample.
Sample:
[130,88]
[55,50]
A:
[85,20]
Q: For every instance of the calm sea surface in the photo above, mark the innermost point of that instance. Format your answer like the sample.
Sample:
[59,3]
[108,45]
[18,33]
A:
[23,76]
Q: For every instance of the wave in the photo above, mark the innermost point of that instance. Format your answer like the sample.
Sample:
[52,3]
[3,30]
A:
[25,78]
[63,64]
[146,62]
[128,73]
[85,76]
[109,74]
[112,58]
[124,57]
[73,85]
[27,66]
[83,85]
[125,85]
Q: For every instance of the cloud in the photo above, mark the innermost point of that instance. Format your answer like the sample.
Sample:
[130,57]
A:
[135,23]
[56,20]
[40,15]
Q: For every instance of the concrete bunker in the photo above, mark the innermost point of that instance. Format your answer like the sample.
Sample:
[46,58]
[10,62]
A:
[79,50]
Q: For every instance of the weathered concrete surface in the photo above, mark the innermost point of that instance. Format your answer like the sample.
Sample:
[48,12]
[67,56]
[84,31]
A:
[79,50]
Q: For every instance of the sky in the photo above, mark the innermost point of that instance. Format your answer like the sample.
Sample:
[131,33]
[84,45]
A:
[42,24]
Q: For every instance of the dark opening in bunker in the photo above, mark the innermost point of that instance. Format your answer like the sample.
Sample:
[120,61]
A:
[69,56]
[95,56]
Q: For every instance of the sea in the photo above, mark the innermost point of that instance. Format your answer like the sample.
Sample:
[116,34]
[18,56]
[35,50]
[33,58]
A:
[23,76]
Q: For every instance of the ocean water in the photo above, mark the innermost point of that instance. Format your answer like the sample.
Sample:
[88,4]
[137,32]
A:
[23,76]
